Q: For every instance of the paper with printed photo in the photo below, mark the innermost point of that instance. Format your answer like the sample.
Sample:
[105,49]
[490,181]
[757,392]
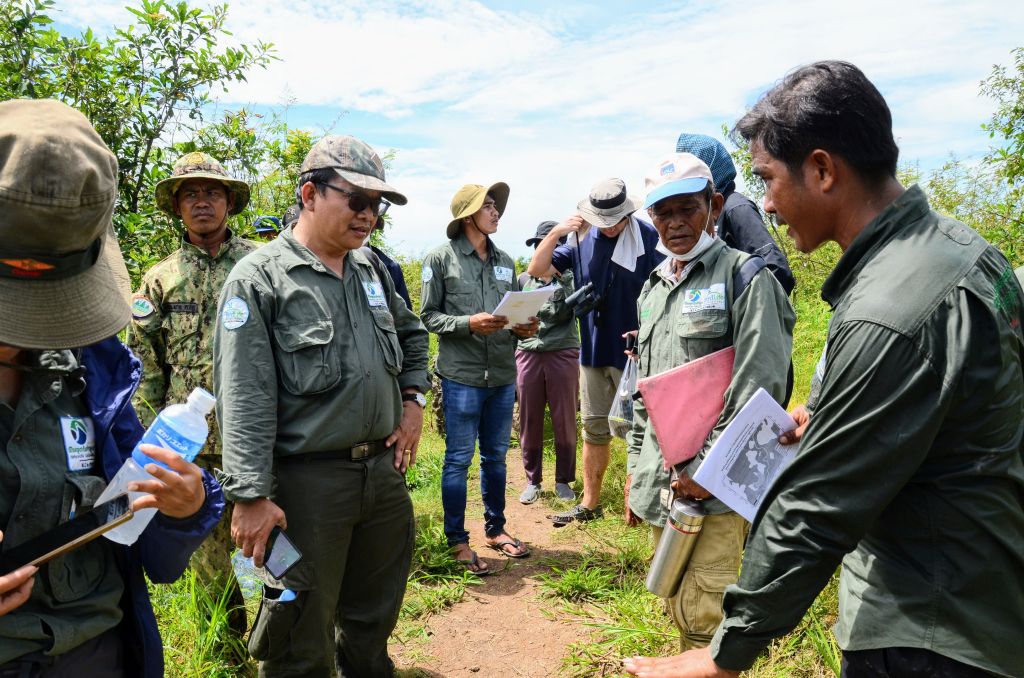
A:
[518,307]
[747,458]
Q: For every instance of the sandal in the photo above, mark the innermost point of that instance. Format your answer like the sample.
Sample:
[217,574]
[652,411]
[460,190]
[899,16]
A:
[515,551]
[475,566]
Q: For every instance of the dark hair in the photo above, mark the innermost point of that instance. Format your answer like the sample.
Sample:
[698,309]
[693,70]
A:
[318,177]
[829,105]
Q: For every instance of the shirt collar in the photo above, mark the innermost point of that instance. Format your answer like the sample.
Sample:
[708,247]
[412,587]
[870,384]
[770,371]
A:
[910,206]
[705,260]
[291,254]
[463,246]
[199,251]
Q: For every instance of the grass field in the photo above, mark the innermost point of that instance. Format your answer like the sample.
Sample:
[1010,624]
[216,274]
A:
[601,586]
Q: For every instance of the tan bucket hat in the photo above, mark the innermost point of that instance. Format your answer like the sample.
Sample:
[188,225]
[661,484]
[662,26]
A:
[63,282]
[607,204]
[355,162]
[470,198]
[198,165]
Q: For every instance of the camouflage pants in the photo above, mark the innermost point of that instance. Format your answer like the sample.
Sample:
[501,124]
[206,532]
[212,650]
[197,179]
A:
[212,564]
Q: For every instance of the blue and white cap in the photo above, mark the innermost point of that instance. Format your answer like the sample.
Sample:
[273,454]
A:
[679,174]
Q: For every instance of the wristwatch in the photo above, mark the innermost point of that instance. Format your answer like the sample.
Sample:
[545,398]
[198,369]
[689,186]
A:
[417,398]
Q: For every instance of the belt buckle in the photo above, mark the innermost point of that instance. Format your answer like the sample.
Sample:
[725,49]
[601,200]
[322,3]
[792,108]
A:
[360,451]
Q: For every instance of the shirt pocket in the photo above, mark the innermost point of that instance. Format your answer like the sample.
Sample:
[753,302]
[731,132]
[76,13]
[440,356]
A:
[307,361]
[76,574]
[702,332]
[460,297]
[387,339]
[181,329]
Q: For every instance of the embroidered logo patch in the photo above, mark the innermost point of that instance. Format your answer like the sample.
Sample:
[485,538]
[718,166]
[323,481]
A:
[427,275]
[704,299]
[79,442]
[234,314]
[142,307]
[375,294]
[503,273]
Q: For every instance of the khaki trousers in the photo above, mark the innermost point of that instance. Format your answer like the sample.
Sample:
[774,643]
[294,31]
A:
[715,563]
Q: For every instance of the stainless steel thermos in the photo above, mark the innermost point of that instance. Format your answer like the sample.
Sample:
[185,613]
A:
[682,529]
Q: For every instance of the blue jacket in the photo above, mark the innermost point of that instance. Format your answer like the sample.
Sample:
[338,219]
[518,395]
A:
[163,550]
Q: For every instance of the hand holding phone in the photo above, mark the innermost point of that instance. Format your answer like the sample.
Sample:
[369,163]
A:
[282,556]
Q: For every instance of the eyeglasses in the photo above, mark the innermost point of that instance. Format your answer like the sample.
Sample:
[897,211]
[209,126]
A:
[357,202]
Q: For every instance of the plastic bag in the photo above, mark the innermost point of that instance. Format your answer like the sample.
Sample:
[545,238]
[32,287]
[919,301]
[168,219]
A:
[620,417]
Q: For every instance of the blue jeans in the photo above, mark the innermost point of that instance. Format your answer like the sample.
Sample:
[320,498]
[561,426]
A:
[472,412]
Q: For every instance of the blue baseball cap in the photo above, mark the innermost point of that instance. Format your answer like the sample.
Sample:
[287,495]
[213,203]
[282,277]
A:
[267,225]
[679,174]
[712,152]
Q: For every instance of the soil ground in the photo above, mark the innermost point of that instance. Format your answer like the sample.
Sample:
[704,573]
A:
[504,626]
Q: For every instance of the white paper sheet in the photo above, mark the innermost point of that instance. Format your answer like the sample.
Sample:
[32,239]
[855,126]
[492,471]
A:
[747,458]
[519,306]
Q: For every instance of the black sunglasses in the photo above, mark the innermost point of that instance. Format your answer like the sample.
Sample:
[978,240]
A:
[357,202]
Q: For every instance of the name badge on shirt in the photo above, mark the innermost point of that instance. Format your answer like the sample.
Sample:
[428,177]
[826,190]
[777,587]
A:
[503,273]
[706,299]
[79,442]
[375,294]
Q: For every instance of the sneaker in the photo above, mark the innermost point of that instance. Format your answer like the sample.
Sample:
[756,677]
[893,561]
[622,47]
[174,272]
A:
[563,491]
[530,494]
[578,512]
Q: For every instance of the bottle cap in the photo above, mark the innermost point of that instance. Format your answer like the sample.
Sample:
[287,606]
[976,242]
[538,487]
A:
[201,400]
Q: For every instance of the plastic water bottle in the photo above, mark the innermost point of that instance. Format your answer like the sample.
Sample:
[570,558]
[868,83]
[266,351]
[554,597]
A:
[181,428]
[245,573]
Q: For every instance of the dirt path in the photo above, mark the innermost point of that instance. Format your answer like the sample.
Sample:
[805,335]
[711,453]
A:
[504,627]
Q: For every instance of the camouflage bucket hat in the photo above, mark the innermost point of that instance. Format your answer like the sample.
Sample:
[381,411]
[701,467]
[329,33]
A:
[470,198]
[63,282]
[198,165]
[355,162]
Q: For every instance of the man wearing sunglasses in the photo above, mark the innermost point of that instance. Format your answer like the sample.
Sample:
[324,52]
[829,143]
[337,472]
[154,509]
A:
[320,369]
[174,312]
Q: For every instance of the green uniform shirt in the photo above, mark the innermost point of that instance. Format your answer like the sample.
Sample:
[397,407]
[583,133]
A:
[307,362]
[557,329]
[50,470]
[173,317]
[911,466]
[674,329]
[456,285]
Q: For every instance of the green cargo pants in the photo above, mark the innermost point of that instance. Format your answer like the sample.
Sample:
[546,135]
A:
[696,608]
[353,523]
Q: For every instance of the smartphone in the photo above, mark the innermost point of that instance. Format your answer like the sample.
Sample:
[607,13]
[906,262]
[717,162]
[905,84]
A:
[69,535]
[281,554]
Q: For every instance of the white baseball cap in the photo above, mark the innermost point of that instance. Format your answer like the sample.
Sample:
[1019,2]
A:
[679,174]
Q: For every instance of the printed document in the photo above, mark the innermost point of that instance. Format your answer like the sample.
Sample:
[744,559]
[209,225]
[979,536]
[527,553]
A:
[747,458]
[518,307]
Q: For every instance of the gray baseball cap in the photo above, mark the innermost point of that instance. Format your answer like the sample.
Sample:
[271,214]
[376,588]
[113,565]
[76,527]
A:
[354,161]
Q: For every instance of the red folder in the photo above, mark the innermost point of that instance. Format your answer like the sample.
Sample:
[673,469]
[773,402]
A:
[684,403]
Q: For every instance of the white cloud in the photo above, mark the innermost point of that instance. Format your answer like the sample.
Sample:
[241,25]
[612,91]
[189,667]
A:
[548,103]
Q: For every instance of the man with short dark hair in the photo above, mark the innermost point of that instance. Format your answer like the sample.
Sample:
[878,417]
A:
[614,259]
[320,372]
[910,469]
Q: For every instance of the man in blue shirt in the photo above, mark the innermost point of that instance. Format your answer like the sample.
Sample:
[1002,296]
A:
[615,260]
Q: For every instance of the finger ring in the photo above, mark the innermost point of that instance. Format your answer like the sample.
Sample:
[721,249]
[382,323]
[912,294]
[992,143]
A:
[408,452]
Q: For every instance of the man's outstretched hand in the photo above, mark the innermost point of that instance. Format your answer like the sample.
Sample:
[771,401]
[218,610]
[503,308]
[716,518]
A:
[692,664]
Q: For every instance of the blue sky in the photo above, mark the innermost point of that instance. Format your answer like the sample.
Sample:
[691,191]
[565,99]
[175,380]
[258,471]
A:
[552,97]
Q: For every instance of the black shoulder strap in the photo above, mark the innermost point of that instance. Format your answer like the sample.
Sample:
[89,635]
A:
[745,274]
[740,281]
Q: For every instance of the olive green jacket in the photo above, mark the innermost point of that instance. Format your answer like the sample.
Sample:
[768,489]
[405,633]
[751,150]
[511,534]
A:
[557,329]
[910,472]
[174,314]
[675,329]
[307,362]
[456,285]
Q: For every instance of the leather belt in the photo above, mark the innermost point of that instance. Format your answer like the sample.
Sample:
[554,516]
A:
[355,453]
